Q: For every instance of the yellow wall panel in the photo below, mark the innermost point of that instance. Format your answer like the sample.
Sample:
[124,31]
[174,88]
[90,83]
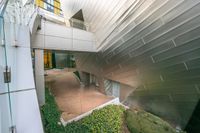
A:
[47,59]
[37,2]
[41,4]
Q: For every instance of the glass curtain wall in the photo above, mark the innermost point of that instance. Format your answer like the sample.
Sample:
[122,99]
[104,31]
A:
[50,5]
[59,60]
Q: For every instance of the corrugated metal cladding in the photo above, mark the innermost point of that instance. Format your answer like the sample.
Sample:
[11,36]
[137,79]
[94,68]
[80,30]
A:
[156,49]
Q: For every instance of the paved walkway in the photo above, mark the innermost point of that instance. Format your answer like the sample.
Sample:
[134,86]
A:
[72,99]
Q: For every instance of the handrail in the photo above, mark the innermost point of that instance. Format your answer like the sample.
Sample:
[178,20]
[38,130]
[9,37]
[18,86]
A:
[82,25]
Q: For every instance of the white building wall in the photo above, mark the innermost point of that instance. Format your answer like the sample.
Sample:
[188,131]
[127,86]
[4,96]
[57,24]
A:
[5,121]
[59,37]
[24,104]
[26,114]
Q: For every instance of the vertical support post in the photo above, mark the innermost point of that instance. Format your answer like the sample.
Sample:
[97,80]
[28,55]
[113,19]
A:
[39,76]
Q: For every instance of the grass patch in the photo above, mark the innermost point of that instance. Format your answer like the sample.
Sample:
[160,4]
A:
[106,120]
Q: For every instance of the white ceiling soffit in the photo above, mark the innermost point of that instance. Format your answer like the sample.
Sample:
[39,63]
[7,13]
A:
[103,16]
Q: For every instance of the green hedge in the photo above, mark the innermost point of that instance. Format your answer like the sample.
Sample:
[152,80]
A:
[106,120]
[139,121]
[51,115]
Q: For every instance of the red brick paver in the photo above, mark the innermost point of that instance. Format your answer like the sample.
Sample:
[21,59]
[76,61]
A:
[72,99]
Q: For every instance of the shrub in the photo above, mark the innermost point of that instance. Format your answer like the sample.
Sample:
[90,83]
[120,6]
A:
[76,127]
[51,115]
[139,121]
[106,120]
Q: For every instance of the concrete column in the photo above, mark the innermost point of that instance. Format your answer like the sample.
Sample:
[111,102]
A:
[39,76]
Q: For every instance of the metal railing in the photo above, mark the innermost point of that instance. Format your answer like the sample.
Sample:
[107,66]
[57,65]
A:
[79,24]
